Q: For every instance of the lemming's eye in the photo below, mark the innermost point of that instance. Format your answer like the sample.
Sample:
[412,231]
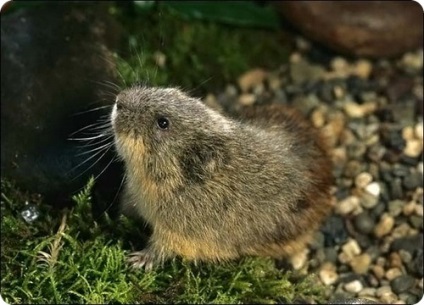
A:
[163,123]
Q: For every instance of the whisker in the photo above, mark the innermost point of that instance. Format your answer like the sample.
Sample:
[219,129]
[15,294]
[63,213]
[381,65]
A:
[95,149]
[96,127]
[91,110]
[97,153]
[87,139]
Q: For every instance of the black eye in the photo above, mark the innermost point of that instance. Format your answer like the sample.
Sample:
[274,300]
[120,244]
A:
[163,123]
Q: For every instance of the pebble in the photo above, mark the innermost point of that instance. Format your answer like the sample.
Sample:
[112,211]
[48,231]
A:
[393,273]
[395,260]
[419,130]
[351,248]
[361,263]
[378,271]
[364,223]
[384,226]
[368,200]
[409,243]
[354,110]
[251,79]
[373,188]
[413,148]
[354,286]
[334,231]
[395,207]
[299,260]
[395,187]
[413,180]
[386,295]
[302,71]
[247,99]
[367,292]
[362,68]
[328,274]
[347,205]
[402,283]
[363,179]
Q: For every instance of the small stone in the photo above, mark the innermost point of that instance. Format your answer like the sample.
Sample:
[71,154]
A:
[383,290]
[347,205]
[351,248]
[413,180]
[409,243]
[402,283]
[364,223]
[413,60]
[419,210]
[362,68]
[251,79]
[299,260]
[328,274]
[409,208]
[361,263]
[354,286]
[318,118]
[389,298]
[330,254]
[395,207]
[302,71]
[413,148]
[395,187]
[405,256]
[393,273]
[367,292]
[378,271]
[384,226]
[416,221]
[395,260]
[363,179]
[354,110]
[334,231]
[368,200]
[247,99]
[419,130]
[373,188]
[408,133]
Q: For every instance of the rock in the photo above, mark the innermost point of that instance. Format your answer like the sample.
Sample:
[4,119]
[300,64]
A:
[368,200]
[354,110]
[395,207]
[395,187]
[334,231]
[303,71]
[352,28]
[378,271]
[251,79]
[362,68]
[347,205]
[45,87]
[373,188]
[247,99]
[410,243]
[413,180]
[351,248]
[361,263]
[384,226]
[328,274]
[402,283]
[363,179]
[299,260]
[393,273]
[364,223]
[330,255]
[413,148]
[354,286]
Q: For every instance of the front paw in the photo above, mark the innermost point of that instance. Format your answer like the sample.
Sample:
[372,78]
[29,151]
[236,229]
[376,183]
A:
[140,259]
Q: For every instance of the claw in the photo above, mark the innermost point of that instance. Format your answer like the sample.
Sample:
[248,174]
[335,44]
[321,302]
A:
[141,259]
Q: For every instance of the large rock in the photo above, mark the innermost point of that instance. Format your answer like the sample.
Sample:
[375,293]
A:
[361,28]
[55,62]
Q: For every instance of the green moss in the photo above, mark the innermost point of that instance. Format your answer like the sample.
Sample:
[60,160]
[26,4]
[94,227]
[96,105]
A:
[68,257]
[200,56]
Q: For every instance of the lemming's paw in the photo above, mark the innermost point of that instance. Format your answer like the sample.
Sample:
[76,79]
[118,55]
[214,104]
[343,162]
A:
[141,259]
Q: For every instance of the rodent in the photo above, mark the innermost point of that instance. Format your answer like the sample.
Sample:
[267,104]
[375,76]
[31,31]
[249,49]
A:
[214,187]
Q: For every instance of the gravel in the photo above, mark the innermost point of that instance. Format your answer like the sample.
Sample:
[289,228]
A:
[370,248]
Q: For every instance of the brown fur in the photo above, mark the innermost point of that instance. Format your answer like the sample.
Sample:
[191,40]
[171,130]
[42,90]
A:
[215,188]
